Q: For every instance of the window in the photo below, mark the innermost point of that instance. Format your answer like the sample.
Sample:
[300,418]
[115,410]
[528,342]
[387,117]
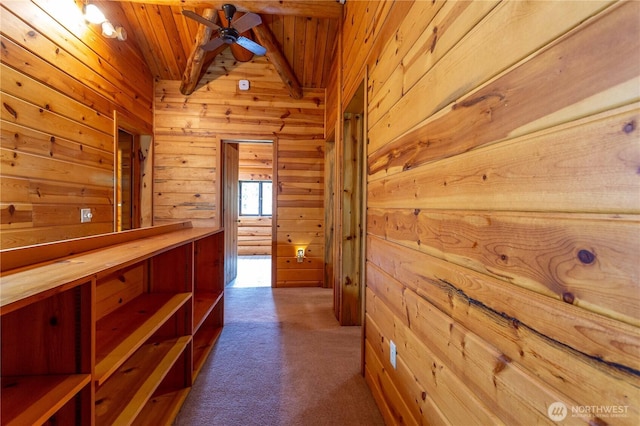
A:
[255,198]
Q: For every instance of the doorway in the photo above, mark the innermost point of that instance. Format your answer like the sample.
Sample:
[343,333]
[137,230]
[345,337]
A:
[127,213]
[348,205]
[248,212]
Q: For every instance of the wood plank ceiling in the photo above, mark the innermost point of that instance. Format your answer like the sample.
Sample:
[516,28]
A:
[304,34]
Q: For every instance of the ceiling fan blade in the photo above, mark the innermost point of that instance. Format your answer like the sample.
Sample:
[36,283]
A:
[246,22]
[251,46]
[212,45]
[200,19]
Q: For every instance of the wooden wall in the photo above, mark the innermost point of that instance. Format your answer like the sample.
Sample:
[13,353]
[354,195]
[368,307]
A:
[188,134]
[503,208]
[255,233]
[61,82]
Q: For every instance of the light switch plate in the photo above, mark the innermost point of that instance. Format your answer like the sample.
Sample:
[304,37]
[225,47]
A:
[243,84]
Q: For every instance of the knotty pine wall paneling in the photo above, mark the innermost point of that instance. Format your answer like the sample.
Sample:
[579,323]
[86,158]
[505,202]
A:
[61,82]
[188,134]
[502,209]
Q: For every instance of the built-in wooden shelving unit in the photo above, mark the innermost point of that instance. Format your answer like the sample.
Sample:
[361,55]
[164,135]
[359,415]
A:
[110,329]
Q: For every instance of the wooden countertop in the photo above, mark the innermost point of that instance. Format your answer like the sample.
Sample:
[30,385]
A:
[21,285]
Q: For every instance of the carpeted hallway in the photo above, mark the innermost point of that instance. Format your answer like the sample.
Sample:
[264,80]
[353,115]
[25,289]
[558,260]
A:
[282,359]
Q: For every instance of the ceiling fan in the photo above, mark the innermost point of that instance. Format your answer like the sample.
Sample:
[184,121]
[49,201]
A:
[231,34]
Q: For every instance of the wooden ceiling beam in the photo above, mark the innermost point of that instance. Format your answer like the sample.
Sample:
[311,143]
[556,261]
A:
[306,8]
[265,37]
[193,70]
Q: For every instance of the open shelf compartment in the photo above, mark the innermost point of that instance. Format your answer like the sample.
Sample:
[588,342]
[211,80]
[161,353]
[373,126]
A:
[51,393]
[122,332]
[123,397]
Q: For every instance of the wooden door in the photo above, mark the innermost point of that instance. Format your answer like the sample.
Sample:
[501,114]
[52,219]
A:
[230,210]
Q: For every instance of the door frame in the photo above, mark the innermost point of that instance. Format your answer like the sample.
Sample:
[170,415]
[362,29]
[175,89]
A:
[141,162]
[274,179]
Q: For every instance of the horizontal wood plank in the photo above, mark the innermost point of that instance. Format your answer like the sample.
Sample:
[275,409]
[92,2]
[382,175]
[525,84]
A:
[584,260]
[504,177]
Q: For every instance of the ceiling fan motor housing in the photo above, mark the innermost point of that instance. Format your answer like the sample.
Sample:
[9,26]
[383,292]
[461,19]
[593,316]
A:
[229,35]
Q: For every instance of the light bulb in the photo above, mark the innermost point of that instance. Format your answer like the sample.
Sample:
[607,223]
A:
[108,30]
[93,14]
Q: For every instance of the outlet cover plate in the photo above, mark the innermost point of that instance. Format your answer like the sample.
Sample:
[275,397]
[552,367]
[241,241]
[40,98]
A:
[392,354]
[85,215]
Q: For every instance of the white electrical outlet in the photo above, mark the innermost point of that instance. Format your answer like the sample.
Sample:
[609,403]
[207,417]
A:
[85,215]
[392,354]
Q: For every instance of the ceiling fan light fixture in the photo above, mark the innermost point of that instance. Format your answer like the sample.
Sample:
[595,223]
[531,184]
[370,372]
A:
[93,14]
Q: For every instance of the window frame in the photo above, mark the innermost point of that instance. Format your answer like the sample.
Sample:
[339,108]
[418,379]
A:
[261,198]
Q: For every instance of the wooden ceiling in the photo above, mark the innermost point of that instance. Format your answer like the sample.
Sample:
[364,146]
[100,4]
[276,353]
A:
[303,33]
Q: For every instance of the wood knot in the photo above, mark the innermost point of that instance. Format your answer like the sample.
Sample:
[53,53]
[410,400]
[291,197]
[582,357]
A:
[53,321]
[12,209]
[629,127]
[597,421]
[568,297]
[10,110]
[586,257]
[503,360]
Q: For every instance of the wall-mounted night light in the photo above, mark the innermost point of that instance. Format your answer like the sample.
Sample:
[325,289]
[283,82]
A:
[300,255]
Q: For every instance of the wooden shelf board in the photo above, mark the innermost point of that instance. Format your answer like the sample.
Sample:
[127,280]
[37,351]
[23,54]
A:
[203,343]
[34,399]
[123,397]
[162,409]
[136,321]
[203,304]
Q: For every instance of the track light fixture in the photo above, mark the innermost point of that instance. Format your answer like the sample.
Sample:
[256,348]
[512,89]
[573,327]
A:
[94,15]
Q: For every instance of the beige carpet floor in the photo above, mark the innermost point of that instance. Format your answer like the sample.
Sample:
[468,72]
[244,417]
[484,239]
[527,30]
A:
[282,359]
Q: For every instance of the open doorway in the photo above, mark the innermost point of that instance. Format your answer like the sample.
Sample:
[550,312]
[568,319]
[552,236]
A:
[347,212]
[127,181]
[249,212]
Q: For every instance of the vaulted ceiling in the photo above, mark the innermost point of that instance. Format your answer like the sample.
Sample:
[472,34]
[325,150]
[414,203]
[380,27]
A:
[303,35]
